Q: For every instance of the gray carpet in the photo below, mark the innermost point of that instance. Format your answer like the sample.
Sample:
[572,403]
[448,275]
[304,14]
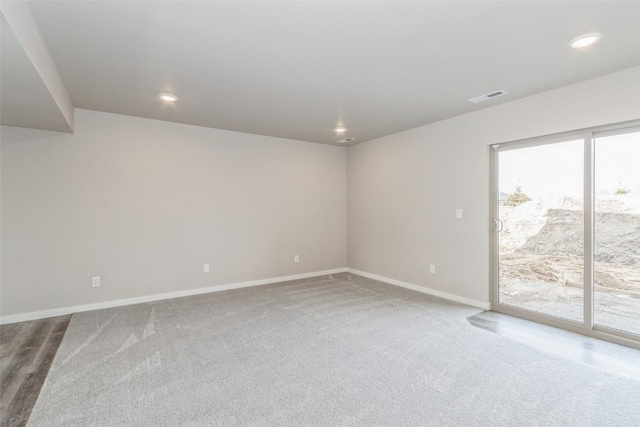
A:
[330,351]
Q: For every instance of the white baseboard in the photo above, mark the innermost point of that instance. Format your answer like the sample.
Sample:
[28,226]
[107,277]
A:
[424,290]
[23,317]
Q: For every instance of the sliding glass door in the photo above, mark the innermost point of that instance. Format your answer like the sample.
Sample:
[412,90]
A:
[617,232]
[566,223]
[541,242]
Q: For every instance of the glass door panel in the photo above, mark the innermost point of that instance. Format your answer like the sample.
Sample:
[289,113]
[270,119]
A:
[541,222]
[617,232]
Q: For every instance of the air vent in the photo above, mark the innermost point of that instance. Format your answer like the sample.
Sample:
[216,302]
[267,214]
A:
[488,96]
[347,139]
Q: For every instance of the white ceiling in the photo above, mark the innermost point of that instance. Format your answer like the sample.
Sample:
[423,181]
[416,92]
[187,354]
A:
[296,69]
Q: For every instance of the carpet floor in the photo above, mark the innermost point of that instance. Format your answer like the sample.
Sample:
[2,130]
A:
[329,351]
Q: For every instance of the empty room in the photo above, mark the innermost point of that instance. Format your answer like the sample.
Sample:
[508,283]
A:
[320,213]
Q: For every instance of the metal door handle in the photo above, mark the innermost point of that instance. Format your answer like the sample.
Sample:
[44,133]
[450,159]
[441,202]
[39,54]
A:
[499,226]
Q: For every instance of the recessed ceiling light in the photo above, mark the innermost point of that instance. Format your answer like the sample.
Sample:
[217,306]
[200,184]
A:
[168,97]
[341,129]
[585,40]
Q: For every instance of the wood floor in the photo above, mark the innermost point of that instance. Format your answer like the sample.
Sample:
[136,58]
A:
[26,352]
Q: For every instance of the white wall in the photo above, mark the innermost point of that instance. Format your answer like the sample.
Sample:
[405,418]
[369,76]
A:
[403,189]
[144,204]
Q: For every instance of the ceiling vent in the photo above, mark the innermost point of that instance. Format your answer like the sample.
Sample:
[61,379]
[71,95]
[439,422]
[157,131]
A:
[347,139]
[488,96]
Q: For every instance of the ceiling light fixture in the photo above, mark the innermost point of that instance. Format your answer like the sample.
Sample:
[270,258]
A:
[341,129]
[585,40]
[168,97]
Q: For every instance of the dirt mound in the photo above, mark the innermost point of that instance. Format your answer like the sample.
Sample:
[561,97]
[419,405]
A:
[526,220]
[617,237]
[562,216]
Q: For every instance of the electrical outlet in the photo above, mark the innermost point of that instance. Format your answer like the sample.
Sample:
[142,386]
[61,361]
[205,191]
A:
[95,281]
[206,268]
[458,213]
[296,258]
[432,269]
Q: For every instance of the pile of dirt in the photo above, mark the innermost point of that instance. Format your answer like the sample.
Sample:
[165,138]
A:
[542,242]
[617,237]
[554,226]
[526,220]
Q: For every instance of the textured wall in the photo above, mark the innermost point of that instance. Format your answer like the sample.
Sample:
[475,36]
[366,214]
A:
[144,204]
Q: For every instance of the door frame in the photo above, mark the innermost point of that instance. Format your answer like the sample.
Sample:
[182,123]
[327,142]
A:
[587,326]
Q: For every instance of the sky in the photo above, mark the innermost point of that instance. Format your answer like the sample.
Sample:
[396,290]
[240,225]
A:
[557,169]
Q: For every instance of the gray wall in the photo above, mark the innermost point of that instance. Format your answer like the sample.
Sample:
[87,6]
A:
[144,204]
[404,189]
